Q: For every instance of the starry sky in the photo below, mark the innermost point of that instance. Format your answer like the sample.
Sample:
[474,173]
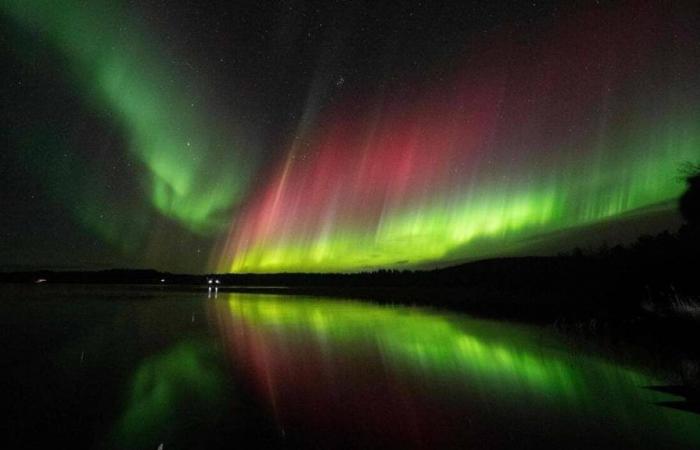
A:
[257,136]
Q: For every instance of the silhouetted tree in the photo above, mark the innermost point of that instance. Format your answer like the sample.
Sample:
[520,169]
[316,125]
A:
[689,203]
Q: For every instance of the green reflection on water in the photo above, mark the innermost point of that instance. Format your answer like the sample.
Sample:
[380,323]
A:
[424,340]
[513,367]
[180,390]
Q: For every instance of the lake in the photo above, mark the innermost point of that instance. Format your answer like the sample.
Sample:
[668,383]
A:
[147,368]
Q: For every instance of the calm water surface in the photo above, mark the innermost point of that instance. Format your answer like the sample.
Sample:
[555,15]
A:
[123,368]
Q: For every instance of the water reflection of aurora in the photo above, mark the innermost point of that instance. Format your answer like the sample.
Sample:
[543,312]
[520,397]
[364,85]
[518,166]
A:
[172,394]
[516,368]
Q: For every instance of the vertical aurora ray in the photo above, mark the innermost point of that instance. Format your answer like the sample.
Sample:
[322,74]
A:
[195,167]
[587,122]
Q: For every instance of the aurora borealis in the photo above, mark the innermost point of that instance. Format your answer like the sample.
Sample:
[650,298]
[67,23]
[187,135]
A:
[342,138]
[118,70]
[478,156]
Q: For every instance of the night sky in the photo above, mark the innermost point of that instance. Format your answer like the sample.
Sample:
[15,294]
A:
[338,136]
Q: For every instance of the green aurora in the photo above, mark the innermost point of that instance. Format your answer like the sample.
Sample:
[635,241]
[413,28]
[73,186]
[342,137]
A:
[195,169]
[578,128]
